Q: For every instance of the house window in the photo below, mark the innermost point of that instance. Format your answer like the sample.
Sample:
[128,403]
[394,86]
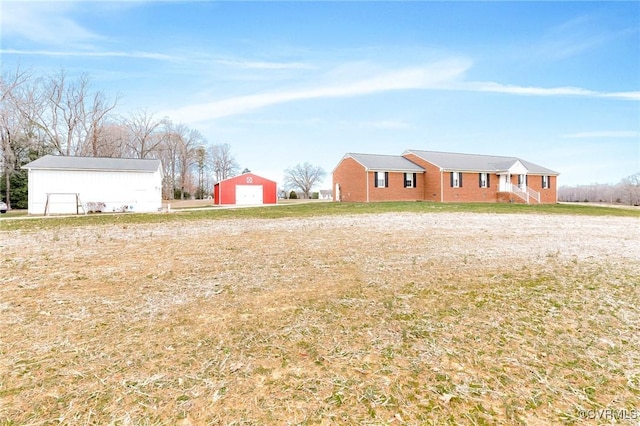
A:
[409,180]
[381,179]
[456,179]
[484,180]
[546,182]
[523,180]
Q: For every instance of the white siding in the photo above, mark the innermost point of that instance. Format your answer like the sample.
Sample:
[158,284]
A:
[518,169]
[139,191]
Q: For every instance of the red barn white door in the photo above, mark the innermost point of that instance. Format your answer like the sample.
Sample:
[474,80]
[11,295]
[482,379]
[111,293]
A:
[249,194]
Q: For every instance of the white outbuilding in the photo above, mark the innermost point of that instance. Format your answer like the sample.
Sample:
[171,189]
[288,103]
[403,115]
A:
[63,184]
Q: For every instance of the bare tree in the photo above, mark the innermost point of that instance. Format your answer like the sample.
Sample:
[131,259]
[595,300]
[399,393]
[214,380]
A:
[112,137]
[190,139]
[178,153]
[26,101]
[631,186]
[144,137]
[60,108]
[223,164]
[303,177]
[14,129]
[95,124]
[60,117]
[201,161]
[168,154]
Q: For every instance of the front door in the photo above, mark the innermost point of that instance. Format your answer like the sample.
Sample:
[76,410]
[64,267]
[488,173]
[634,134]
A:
[504,183]
[522,182]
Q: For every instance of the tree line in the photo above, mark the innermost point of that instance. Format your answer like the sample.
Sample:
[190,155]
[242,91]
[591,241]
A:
[60,115]
[627,192]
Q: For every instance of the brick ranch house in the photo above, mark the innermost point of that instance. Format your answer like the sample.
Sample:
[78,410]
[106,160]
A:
[442,176]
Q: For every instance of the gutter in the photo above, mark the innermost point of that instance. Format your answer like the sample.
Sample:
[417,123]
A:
[78,169]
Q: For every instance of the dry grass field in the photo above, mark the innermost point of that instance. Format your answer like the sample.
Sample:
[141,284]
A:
[393,318]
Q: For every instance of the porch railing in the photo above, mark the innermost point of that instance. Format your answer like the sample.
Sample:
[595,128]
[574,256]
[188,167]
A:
[526,194]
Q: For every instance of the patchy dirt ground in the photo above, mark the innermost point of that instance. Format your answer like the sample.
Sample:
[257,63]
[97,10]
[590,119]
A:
[371,319]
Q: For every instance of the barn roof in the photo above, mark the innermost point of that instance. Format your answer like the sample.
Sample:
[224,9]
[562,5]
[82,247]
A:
[475,162]
[240,176]
[385,162]
[58,162]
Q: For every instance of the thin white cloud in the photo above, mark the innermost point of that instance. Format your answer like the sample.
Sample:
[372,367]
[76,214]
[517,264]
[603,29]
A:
[80,53]
[574,37]
[382,124]
[493,87]
[444,75]
[628,96]
[623,134]
[265,65]
[433,76]
[44,23]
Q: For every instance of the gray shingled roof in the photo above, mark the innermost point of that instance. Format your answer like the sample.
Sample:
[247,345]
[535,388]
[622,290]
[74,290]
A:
[57,162]
[477,163]
[395,163]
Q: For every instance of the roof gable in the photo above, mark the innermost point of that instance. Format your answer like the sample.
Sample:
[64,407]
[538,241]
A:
[478,163]
[391,163]
[59,162]
[253,176]
[518,168]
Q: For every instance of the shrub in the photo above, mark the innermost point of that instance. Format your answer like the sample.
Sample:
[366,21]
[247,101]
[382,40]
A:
[177,194]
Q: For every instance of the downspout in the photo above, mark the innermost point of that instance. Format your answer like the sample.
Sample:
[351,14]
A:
[366,176]
[441,186]
[424,186]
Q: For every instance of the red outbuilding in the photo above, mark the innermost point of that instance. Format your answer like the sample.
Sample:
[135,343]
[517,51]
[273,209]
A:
[245,189]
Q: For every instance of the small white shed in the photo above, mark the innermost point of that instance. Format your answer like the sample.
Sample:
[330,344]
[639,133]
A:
[63,184]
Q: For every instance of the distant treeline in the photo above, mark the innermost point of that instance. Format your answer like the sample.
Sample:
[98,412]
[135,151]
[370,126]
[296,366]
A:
[627,191]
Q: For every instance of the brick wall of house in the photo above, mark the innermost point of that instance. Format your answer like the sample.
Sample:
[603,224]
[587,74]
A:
[432,176]
[396,190]
[552,193]
[353,185]
[470,190]
[548,195]
[508,197]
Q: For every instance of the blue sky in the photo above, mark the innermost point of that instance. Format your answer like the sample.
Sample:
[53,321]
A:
[555,83]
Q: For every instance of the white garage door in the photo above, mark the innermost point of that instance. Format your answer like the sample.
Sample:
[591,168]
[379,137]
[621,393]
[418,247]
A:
[249,194]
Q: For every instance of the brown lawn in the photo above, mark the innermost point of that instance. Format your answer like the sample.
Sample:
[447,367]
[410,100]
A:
[372,319]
